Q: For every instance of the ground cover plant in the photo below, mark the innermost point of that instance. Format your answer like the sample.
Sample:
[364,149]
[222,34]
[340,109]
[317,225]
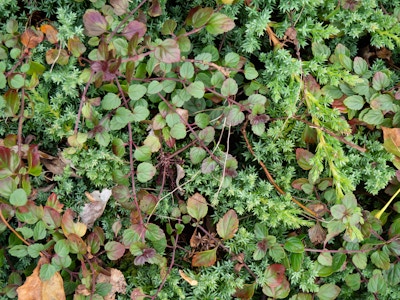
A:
[199,150]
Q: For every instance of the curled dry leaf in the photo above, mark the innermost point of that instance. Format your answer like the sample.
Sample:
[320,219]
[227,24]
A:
[50,32]
[191,281]
[117,281]
[93,210]
[34,288]
[180,173]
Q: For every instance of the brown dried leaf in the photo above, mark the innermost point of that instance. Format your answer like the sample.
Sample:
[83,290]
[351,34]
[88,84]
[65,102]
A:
[34,288]
[317,234]
[82,290]
[117,281]
[31,38]
[93,210]
[50,32]
[319,208]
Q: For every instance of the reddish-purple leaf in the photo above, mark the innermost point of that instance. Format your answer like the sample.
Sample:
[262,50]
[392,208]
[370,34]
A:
[147,254]
[120,6]
[53,202]
[303,157]
[9,162]
[298,183]
[228,225]
[205,258]
[114,250]
[95,23]
[76,244]
[51,217]
[134,27]
[155,9]
[168,51]
[277,286]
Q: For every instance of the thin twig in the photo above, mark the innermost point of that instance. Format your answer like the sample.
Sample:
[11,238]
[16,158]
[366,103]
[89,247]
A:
[269,176]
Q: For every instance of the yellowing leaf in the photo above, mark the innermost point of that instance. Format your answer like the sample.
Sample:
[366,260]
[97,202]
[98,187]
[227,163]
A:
[205,258]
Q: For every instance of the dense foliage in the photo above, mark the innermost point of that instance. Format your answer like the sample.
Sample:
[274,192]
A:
[200,149]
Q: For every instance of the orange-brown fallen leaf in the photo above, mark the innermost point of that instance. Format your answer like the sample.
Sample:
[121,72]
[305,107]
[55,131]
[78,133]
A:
[34,288]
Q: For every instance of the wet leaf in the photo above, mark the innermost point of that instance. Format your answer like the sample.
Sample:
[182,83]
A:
[228,225]
[204,258]
[197,206]
[95,23]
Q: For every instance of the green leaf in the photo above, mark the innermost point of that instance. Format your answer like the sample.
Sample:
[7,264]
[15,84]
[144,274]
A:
[39,232]
[205,258]
[373,117]
[207,135]
[208,165]
[201,17]
[169,86]
[345,61]
[61,248]
[294,244]
[383,102]
[196,89]
[353,281]
[392,276]
[232,60]
[145,172]
[168,51]
[354,102]
[154,87]
[360,260]
[320,50]
[47,271]
[34,250]
[197,155]
[380,81]
[328,291]
[114,250]
[142,153]
[18,197]
[187,70]
[95,23]
[202,120]
[19,251]
[377,283]
[219,23]
[338,261]
[136,91]
[197,206]
[103,138]
[121,118]
[140,113]
[360,66]
[110,101]
[338,211]
[250,73]
[381,259]
[228,225]
[178,131]
[325,259]
[103,288]
[17,81]
[153,142]
[229,87]
[168,27]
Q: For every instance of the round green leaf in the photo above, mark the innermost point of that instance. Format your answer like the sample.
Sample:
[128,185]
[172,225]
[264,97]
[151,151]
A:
[178,131]
[228,225]
[114,250]
[145,171]
[196,89]
[354,102]
[328,291]
[202,120]
[229,87]
[136,91]
[154,87]
[187,70]
[197,206]
[110,101]
[17,81]
[197,155]
[142,153]
[18,197]
[61,248]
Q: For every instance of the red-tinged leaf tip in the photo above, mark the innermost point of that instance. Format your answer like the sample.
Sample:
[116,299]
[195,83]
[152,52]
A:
[95,23]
